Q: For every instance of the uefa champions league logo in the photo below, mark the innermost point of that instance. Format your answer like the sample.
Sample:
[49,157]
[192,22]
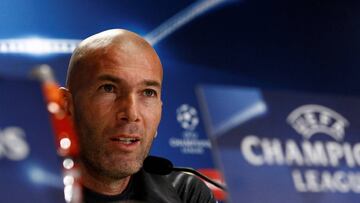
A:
[312,119]
[189,143]
[187,117]
[317,165]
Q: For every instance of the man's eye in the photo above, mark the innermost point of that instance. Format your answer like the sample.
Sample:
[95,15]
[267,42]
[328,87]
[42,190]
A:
[108,88]
[149,93]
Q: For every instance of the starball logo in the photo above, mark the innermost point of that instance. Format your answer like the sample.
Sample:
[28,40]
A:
[189,143]
[317,165]
[187,117]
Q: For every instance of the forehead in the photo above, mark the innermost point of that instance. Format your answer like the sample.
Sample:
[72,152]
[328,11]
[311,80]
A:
[129,63]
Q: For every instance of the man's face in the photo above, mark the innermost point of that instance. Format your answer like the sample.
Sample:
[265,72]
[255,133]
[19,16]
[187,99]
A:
[117,109]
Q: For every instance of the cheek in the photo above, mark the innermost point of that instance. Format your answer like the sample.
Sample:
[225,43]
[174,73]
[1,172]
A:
[100,108]
[90,114]
[90,126]
[153,119]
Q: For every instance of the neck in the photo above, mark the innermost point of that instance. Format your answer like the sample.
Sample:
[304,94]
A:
[101,184]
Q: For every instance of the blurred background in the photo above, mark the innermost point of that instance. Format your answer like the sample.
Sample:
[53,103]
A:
[301,46]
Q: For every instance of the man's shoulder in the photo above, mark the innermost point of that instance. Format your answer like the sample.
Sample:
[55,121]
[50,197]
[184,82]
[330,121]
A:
[189,187]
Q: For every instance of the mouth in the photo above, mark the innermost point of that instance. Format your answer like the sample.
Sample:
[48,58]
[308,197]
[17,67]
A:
[125,140]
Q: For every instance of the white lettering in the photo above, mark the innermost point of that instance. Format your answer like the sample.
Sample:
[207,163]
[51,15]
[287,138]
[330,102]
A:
[266,151]
[349,158]
[314,154]
[249,144]
[293,154]
[312,182]
[272,151]
[334,152]
[341,182]
[356,152]
[12,144]
[325,181]
[298,181]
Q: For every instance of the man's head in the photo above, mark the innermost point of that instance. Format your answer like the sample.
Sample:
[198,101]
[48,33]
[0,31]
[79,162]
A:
[114,97]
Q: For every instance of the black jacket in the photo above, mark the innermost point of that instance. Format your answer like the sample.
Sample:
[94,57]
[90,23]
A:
[145,187]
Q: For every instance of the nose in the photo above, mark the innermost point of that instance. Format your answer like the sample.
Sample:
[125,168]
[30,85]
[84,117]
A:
[128,109]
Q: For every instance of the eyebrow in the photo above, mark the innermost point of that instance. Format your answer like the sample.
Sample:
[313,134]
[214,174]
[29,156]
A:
[152,83]
[109,78]
[119,80]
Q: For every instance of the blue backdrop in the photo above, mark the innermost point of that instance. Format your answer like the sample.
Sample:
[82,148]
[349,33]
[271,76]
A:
[294,45]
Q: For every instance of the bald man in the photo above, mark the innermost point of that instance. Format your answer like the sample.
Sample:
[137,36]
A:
[113,95]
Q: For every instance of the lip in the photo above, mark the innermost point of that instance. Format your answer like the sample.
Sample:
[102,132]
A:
[126,143]
[135,136]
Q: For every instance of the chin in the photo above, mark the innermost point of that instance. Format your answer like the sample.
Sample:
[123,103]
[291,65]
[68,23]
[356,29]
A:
[123,170]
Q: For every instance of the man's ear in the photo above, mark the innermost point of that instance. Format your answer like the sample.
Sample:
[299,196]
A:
[68,106]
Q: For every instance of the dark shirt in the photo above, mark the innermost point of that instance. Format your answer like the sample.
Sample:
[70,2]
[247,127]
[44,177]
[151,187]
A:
[145,187]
